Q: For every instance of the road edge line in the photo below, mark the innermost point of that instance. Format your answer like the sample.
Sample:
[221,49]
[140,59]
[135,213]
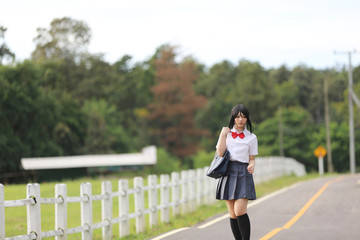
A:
[214,221]
[169,233]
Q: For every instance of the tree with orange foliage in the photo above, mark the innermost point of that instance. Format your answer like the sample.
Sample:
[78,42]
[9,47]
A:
[175,104]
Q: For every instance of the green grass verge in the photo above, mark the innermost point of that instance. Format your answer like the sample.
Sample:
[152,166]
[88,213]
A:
[16,216]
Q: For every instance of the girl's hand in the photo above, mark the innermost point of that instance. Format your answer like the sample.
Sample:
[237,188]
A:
[251,166]
[224,131]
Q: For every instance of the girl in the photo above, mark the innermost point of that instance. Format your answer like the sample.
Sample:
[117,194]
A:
[237,186]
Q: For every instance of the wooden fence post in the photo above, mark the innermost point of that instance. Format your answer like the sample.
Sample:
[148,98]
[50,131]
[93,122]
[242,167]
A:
[152,182]
[33,210]
[2,213]
[184,191]
[199,187]
[106,209]
[139,204]
[61,211]
[192,190]
[124,227]
[164,193]
[175,192]
[189,191]
[206,187]
[213,183]
[86,211]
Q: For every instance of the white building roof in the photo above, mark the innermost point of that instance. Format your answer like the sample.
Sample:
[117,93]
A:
[146,157]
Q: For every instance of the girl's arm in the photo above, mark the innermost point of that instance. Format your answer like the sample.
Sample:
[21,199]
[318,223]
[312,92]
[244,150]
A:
[251,166]
[221,146]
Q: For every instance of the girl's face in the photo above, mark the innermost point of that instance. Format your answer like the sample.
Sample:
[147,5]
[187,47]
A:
[240,121]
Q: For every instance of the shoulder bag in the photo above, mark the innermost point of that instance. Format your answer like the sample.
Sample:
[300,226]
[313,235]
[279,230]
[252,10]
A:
[218,165]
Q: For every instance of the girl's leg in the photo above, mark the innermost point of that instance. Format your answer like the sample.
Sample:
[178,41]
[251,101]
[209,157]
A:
[230,205]
[240,206]
[240,209]
[233,220]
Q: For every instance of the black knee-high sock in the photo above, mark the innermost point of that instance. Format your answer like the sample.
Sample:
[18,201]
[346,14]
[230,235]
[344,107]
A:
[235,229]
[244,226]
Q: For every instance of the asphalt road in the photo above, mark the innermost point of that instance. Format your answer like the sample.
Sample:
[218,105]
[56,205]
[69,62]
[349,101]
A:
[324,208]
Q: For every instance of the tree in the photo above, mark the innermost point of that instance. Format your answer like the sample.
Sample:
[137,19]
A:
[175,103]
[93,78]
[286,96]
[5,52]
[104,133]
[98,138]
[215,85]
[311,94]
[131,95]
[34,122]
[253,88]
[280,75]
[299,132]
[65,39]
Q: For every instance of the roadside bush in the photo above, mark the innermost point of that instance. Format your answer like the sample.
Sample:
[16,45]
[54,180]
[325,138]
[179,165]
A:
[166,163]
[202,159]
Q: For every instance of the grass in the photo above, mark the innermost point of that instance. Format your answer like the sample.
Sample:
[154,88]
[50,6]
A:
[16,216]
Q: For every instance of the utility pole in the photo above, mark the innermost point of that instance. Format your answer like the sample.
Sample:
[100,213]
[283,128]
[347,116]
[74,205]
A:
[327,124]
[351,114]
[281,132]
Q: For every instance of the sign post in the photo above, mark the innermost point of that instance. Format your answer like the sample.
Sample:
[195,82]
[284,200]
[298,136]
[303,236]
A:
[320,152]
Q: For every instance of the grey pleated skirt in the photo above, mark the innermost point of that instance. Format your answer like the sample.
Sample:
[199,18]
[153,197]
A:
[237,183]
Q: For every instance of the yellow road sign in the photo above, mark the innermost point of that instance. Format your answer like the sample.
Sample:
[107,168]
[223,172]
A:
[320,151]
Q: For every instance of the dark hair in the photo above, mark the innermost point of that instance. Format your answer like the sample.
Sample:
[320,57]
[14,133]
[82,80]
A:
[240,109]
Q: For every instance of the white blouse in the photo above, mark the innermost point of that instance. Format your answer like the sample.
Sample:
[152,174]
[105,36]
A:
[240,149]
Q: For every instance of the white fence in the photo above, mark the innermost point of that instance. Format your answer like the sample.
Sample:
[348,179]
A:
[180,194]
[189,189]
[267,168]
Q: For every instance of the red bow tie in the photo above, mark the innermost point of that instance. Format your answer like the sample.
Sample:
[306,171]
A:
[240,135]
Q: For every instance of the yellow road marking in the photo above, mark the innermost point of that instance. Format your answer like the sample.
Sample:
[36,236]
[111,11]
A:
[272,233]
[301,212]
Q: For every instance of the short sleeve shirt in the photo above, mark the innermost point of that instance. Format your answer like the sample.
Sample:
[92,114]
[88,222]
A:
[240,149]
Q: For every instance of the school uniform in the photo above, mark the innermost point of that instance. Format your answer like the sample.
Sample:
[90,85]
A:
[238,183]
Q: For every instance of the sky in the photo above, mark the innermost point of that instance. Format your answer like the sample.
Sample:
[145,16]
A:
[271,32]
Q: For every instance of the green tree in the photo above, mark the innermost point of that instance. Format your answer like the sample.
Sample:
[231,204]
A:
[66,38]
[95,78]
[280,75]
[252,87]
[131,96]
[311,94]
[62,52]
[298,130]
[104,134]
[71,124]
[268,137]
[166,163]
[5,52]
[215,85]
[33,122]
[287,94]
